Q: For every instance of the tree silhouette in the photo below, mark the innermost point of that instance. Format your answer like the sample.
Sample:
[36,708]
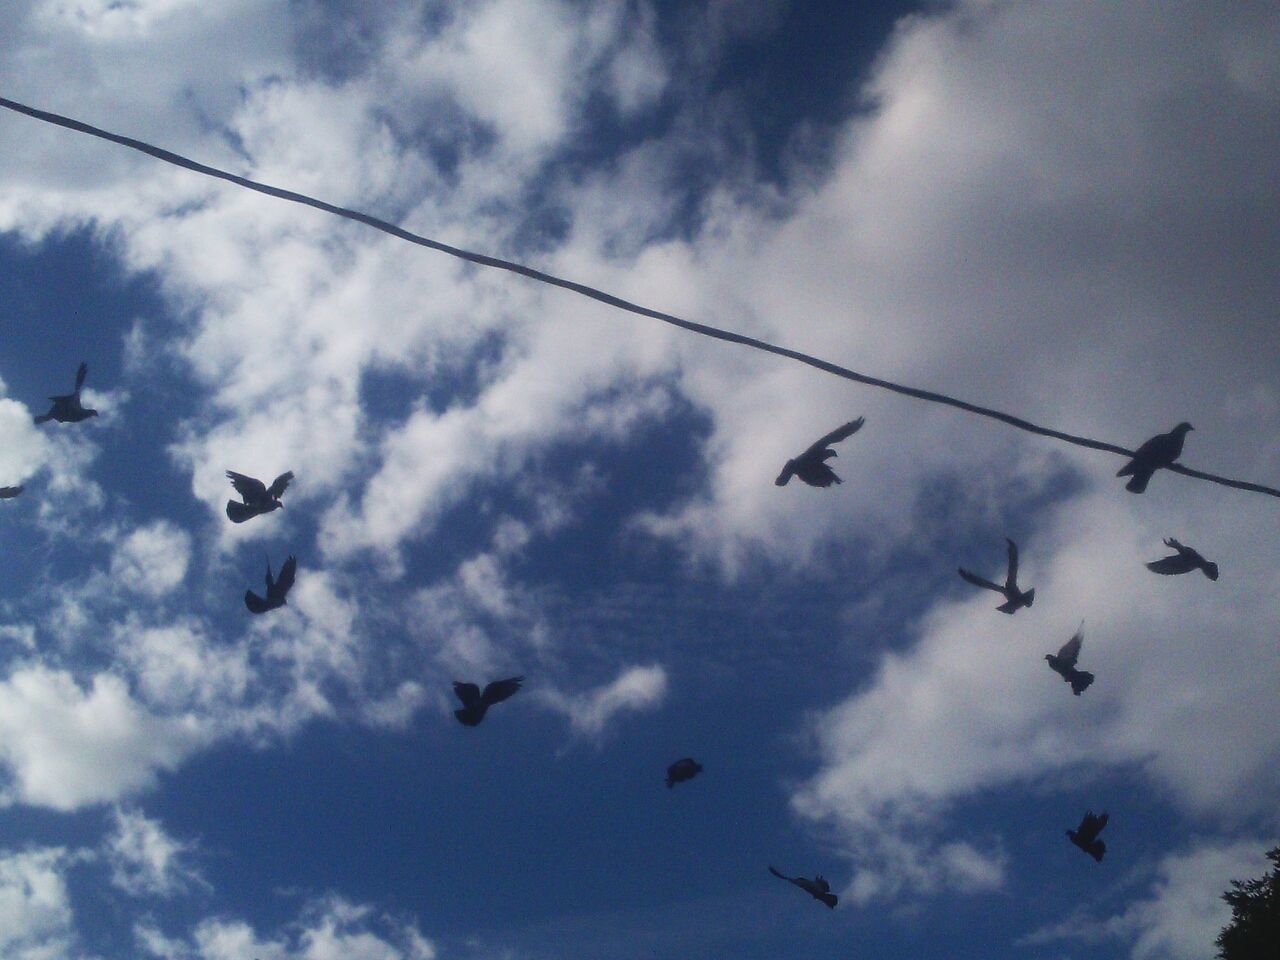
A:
[1254,930]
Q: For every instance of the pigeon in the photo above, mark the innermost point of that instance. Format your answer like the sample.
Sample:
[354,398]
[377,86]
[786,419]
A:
[818,888]
[1184,561]
[475,704]
[1086,837]
[682,770]
[1159,451]
[811,466]
[258,497]
[8,493]
[1064,664]
[67,408]
[277,588]
[1015,599]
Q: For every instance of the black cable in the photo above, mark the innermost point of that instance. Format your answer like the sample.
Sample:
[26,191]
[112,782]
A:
[606,298]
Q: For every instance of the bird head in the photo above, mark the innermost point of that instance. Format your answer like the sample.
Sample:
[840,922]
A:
[1183,427]
[92,413]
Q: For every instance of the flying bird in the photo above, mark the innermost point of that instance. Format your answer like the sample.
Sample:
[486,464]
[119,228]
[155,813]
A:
[257,496]
[682,770]
[1015,599]
[1064,663]
[818,888]
[277,588]
[1159,451]
[67,408]
[811,466]
[8,493]
[1086,837]
[475,704]
[1184,561]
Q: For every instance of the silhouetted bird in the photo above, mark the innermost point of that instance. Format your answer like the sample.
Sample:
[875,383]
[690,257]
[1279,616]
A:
[818,888]
[811,466]
[682,770]
[1064,663]
[1086,837]
[1184,561]
[258,497]
[277,588]
[1015,599]
[8,493]
[475,704]
[1159,451]
[67,408]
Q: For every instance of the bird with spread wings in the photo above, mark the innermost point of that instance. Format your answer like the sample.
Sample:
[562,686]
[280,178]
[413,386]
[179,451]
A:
[811,466]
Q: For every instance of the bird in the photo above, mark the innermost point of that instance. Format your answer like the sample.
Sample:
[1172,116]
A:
[1159,451]
[475,704]
[67,408]
[1015,599]
[1184,561]
[8,493]
[1064,663]
[818,888]
[277,588]
[258,497]
[1086,837]
[811,466]
[684,769]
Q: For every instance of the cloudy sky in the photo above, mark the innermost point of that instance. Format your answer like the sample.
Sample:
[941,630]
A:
[1063,210]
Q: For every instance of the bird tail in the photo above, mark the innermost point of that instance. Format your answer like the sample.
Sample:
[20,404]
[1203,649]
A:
[1210,569]
[786,473]
[1080,681]
[43,418]
[239,512]
[471,716]
[1030,596]
[1138,483]
[255,603]
[830,899]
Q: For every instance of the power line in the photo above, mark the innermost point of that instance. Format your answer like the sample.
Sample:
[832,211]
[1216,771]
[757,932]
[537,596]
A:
[607,298]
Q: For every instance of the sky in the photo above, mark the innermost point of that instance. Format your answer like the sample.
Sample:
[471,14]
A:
[1064,211]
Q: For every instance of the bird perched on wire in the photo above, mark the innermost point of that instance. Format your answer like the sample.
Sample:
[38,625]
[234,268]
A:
[8,493]
[1184,561]
[1086,836]
[257,496]
[811,466]
[1063,663]
[67,408]
[684,769]
[1159,451]
[818,888]
[476,704]
[277,588]
[1015,599]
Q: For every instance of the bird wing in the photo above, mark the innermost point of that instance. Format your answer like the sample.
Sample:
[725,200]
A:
[1091,826]
[1173,544]
[839,433]
[786,473]
[81,373]
[780,875]
[285,580]
[1070,651]
[468,693]
[499,690]
[1178,563]
[278,485]
[8,493]
[978,581]
[255,603]
[1011,578]
[249,488]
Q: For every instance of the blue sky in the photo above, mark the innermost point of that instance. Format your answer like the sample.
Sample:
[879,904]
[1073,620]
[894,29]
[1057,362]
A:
[1068,217]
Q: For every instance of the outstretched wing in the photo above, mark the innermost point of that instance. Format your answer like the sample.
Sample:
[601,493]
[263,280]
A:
[839,433]
[1012,577]
[249,488]
[468,693]
[786,473]
[1178,563]
[81,373]
[1070,651]
[779,875]
[255,603]
[978,581]
[285,580]
[499,690]
[278,485]
[8,493]
[1092,825]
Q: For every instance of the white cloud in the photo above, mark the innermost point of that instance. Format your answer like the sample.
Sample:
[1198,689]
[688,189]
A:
[145,860]
[152,560]
[65,747]
[36,919]
[634,689]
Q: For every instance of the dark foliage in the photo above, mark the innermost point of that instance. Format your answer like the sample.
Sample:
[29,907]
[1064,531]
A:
[1254,930]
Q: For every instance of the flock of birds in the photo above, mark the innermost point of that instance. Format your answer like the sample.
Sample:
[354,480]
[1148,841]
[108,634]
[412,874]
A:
[811,467]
